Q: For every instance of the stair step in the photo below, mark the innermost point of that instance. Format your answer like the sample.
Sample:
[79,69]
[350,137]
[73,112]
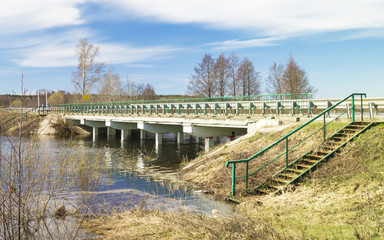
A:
[303,165]
[340,138]
[289,175]
[275,187]
[334,143]
[281,180]
[313,156]
[333,147]
[294,170]
[310,160]
[323,152]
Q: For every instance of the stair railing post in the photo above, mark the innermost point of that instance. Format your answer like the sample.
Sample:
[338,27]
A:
[324,128]
[233,179]
[246,175]
[361,107]
[353,107]
[286,152]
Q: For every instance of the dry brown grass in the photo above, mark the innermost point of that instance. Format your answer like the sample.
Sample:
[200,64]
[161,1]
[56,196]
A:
[342,199]
[142,224]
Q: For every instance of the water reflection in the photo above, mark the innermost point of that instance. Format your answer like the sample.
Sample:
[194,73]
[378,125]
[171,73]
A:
[138,171]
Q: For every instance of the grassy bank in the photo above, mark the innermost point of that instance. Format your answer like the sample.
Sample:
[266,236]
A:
[342,199]
[13,121]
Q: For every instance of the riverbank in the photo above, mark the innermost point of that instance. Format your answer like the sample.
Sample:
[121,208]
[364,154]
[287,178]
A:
[342,199]
[35,124]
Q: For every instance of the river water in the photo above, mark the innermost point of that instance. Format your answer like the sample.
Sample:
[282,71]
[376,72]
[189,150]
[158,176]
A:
[138,172]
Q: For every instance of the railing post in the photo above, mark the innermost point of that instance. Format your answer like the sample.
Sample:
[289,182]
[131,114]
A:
[286,152]
[324,128]
[246,175]
[233,179]
[361,107]
[353,107]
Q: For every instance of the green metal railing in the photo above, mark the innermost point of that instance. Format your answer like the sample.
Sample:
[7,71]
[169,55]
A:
[302,96]
[285,139]
[213,105]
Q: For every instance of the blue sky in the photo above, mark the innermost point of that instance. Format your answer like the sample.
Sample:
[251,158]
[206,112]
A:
[340,43]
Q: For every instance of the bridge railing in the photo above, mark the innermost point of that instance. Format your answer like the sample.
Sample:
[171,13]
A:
[239,105]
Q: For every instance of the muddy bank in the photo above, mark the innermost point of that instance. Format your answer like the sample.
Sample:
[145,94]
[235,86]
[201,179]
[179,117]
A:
[54,124]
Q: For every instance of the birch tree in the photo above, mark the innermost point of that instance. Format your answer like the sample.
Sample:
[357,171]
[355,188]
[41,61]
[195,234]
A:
[88,69]
[111,87]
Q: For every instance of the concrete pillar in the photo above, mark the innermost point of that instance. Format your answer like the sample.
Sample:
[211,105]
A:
[142,134]
[124,134]
[111,131]
[158,138]
[229,138]
[208,143]
[95,133]
[198,139]
[180,137]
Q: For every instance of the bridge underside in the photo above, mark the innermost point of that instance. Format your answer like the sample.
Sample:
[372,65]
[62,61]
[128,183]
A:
[209,130]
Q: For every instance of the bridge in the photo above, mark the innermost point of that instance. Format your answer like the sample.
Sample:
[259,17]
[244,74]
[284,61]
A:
[203,118]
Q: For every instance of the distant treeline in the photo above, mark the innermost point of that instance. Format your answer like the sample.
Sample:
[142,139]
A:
[62,97]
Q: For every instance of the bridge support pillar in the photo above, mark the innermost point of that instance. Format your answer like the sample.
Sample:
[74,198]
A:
[124,134]
[95,133]
[143,134]
[208,143]
[180,137]
[158,138]
[111,131]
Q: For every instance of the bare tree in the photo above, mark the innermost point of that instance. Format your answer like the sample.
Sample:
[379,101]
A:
[111,87]
[249,78]
[222,75]
[233,61]
[275,79]
[88,69]
[295,79]
[202,83]
[149,92]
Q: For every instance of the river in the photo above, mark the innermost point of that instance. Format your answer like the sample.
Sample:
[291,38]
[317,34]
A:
[138,172]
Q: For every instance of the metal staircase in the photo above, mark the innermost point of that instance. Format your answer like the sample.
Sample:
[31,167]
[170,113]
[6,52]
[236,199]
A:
[309,161]
[293,168]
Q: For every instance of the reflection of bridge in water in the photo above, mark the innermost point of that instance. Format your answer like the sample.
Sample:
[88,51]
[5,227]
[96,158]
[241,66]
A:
[208,119]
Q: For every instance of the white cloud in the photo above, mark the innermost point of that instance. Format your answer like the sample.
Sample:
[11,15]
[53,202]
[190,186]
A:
[19,16]
[126,54]
[59,51]
[261,17]
[237,44]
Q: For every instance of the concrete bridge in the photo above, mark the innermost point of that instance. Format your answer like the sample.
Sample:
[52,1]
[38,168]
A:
[207,129]
[207,119]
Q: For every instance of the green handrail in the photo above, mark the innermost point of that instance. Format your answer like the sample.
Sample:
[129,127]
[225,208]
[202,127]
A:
[285,138]
[304,96]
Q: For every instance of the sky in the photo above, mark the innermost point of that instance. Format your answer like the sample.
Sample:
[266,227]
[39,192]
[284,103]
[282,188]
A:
[340,44]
